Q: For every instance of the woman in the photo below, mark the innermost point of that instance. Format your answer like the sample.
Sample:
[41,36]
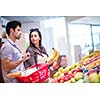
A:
[37,51]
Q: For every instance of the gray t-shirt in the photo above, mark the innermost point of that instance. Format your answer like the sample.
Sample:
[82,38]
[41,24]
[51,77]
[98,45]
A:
[10,51]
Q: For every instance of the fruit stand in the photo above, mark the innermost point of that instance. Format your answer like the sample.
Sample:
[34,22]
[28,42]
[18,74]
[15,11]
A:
[85,71]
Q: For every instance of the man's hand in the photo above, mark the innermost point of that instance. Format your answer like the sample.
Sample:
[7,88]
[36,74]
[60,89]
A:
[26,56]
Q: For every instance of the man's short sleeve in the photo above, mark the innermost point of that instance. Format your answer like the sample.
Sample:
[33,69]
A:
[6,52]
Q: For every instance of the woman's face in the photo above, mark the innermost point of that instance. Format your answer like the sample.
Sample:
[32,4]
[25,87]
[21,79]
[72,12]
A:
[35,38]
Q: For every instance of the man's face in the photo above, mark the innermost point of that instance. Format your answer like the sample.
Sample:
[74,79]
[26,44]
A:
[17,32]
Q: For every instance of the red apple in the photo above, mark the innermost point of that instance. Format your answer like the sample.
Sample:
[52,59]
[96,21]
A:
[61,81]
[74,72]
[71,76]
[79,70]
[66,78]
[65,73]
[62,77]
[53,80]
[56,80]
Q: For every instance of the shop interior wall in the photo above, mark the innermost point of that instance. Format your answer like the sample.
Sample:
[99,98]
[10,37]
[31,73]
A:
[48,45]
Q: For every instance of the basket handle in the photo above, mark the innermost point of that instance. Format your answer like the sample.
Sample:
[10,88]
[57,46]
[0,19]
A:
[35,60]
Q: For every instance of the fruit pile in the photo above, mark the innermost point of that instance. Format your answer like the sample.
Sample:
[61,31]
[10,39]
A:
[71,74]
[93,75]
[85,71]
[91,60]
[92,65]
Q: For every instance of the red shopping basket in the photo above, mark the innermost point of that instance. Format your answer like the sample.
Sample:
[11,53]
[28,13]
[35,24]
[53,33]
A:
[38,76]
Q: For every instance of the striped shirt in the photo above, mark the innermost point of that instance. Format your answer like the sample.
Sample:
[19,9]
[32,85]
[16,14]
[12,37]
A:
[10,50]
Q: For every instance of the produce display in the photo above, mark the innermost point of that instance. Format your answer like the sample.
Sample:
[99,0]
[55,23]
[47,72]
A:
[93,76]
[92,64]
[72,74]
[91,60]
[85,71]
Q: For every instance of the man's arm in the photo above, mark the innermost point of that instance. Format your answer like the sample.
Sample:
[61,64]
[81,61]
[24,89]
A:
[8,65]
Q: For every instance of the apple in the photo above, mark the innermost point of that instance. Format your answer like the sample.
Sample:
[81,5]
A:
[65,73]
[62,77]
[79,70]
[52,81]
[66,69]
[66,78]
[59,72]
[78,75]
[56,75]
[70,76]
[93,78]
[77,67]
[61,81]
[56,80]
[74,72]
[72,67]
[72,80]
[69,72]
[80,81]
[60,69]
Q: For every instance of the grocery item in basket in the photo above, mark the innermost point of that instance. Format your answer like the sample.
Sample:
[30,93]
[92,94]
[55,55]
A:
[28,71]
[13,75]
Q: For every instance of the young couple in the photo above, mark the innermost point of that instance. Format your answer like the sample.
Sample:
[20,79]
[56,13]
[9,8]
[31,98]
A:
[12,59]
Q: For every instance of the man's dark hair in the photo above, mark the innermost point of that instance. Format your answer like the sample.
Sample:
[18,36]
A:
[13,25]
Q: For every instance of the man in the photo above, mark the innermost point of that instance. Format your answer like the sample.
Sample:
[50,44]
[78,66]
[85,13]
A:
[11,56]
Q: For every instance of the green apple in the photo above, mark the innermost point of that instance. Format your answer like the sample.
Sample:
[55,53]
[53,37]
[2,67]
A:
[59,72]
[69,72]
[79,75]
[72,80]
[56,75]
[93,78]
[80,81]
[60,69]
[77,67]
